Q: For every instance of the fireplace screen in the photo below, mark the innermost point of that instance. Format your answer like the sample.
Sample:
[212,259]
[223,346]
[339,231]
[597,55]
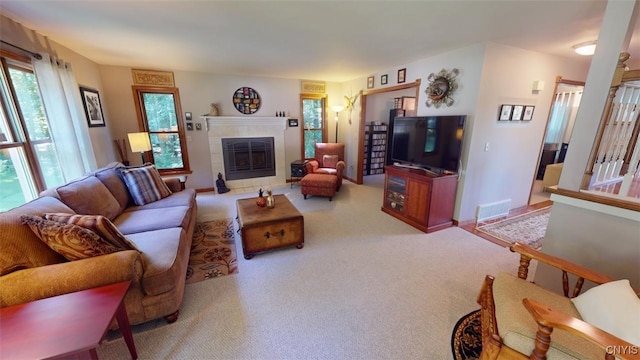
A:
[246,158]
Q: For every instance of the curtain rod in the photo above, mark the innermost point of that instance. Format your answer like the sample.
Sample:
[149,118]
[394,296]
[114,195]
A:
[35,55]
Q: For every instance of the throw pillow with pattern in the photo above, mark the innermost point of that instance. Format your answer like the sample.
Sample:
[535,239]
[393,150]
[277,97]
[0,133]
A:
[144,184]
[71,241]
[330,161]
[98,224]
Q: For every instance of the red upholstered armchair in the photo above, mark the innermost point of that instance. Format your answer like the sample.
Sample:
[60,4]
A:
[328,159]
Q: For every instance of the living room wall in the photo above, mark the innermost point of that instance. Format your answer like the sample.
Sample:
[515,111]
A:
[490,75]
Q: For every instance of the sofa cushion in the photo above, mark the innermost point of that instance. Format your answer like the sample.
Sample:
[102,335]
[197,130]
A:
[613,307]
[89,196]
[518,328]
[161,250]
[71,241]
[108,175]
[130,222]
[144,184]
[20,246]
[185,197]
[96,223]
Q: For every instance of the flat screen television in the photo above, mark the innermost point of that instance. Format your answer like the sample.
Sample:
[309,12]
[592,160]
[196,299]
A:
[433,143]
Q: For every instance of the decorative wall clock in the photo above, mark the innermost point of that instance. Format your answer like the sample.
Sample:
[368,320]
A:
[441,88]
[246,100]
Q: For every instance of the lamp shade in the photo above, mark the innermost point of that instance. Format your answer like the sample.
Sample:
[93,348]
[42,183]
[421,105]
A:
[139,142]
[337,108]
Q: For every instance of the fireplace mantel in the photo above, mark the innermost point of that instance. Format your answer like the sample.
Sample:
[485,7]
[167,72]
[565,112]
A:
[219,127]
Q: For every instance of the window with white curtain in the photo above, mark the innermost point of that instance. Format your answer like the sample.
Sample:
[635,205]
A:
[563,115]
[37,129]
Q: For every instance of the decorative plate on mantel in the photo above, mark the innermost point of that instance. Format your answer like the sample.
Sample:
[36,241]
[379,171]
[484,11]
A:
[246,100]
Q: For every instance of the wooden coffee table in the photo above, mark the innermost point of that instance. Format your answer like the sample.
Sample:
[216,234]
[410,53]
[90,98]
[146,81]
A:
[65,325]
[264,229]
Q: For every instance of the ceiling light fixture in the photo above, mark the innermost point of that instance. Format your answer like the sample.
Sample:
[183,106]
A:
[585,48]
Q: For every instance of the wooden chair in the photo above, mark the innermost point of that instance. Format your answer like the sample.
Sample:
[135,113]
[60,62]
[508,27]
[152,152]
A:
[519,317]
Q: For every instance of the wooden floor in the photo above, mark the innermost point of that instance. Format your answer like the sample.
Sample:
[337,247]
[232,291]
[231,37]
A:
[471,226]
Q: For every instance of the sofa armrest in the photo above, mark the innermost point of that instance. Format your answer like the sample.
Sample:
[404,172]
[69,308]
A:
[549,318]
[173,184]
[340,167]
[42,282]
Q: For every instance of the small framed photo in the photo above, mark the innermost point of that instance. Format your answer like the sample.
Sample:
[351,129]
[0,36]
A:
[190,126]
[516,114]
[505,112]
[92,106]
[384,79]
[528,113]
[198,126]
[293,122]
[370,81]
[402,75]
[187,116]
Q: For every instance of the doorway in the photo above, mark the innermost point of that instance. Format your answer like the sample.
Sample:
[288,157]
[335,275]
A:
[368,96]
[562,114]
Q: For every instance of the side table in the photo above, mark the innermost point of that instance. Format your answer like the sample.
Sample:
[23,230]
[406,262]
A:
[298,170]
[69,325]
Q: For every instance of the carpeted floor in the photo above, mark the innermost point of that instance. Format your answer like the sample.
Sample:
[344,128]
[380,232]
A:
[466,340]
[213,251]
[365,286]
[527,228]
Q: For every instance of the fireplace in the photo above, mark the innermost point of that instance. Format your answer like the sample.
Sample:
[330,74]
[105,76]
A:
[246,158]
[242,127]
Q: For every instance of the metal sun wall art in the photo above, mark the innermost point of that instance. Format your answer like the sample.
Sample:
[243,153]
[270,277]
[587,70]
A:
[441,88]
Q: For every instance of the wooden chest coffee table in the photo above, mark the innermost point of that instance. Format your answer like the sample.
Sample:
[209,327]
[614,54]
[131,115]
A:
[264,229]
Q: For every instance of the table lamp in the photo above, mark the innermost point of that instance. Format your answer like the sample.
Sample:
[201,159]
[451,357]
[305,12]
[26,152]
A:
[140,142]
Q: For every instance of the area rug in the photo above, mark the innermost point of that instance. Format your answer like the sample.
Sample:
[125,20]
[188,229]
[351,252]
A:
[527,228]
[213,251]
[466,340]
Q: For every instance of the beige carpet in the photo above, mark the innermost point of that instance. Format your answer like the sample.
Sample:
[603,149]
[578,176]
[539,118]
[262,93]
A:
[213,251]
[528,228]
[365,286]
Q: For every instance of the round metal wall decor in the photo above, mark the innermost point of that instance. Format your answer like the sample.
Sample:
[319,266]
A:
[441,88]
[246,100]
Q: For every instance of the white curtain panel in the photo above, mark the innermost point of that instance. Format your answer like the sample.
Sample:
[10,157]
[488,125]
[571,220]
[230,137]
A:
[67,123]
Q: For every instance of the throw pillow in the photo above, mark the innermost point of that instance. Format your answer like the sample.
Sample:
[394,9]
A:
[613,307]
[98,224]
[144,184]
[71,241]
[330,161]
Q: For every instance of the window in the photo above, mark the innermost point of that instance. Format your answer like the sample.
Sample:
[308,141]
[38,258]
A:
[313,122]
[28,159]
[159,114]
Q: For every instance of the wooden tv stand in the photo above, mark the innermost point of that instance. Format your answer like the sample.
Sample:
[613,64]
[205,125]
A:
[419,198]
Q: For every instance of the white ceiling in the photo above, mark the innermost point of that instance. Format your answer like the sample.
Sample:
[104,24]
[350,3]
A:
[314,40]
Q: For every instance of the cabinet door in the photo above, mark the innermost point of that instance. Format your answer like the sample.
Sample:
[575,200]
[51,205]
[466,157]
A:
[395,190]
[417,201]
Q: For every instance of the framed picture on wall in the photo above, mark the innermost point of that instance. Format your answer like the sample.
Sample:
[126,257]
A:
[402,75]
[516,114]
[370,81]
[528,113]
[384,79]
[505,112]
[92,106]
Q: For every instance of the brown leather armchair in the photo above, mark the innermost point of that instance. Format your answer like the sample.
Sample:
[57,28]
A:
[328,159]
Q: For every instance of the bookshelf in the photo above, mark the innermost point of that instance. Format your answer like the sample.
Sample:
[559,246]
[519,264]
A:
[375,148]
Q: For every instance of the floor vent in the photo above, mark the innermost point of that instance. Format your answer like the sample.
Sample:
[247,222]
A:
[493,210]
